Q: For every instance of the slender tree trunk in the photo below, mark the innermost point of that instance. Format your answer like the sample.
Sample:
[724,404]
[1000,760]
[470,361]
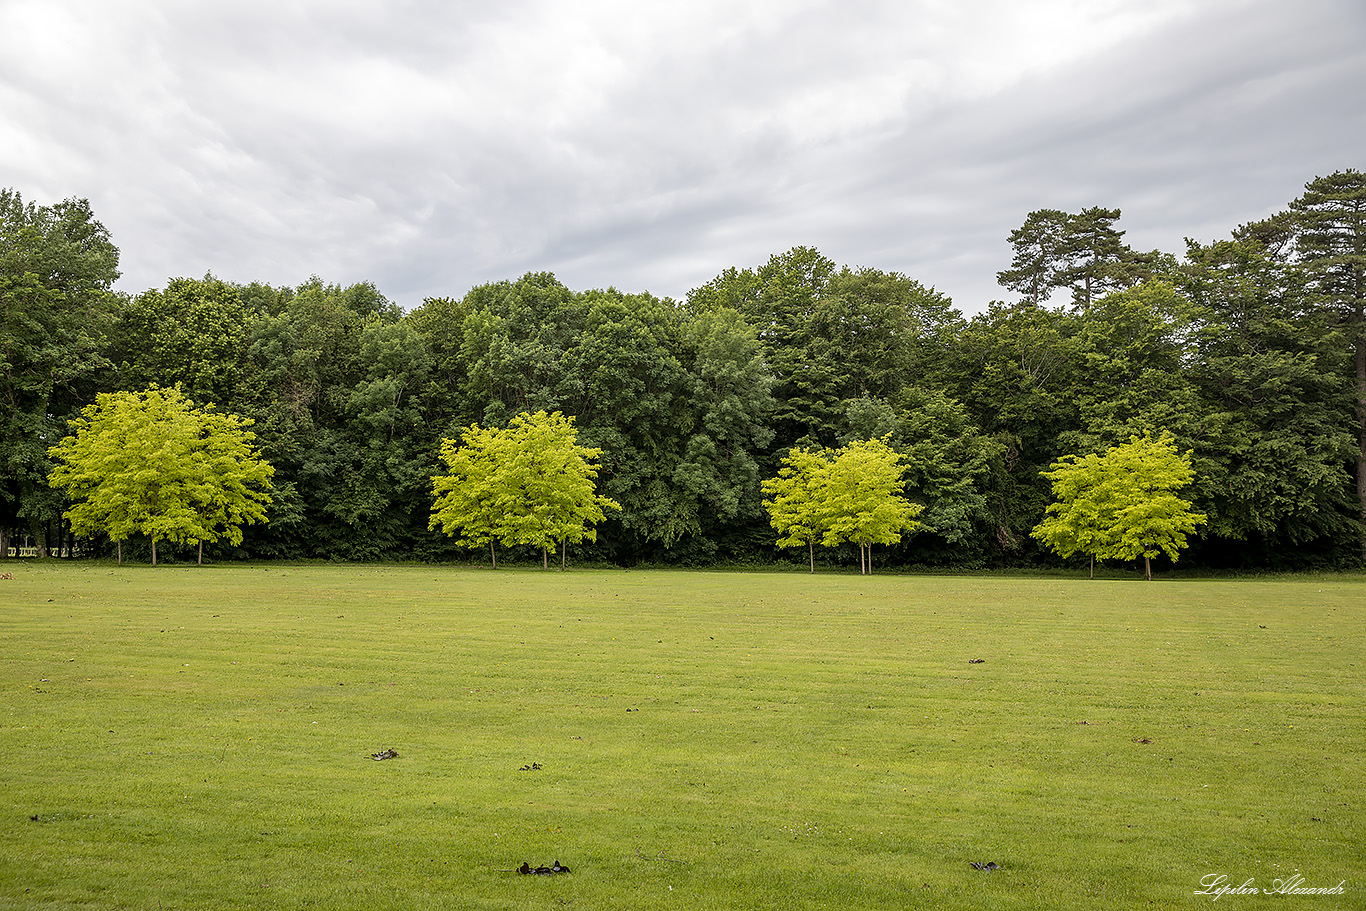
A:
[120,545]
[562,555]
[4,543]
[493,556]
[1148,567]
[1359,317]
[154,551]
[811,547]
[200,560]
[1093,566]
[545,557]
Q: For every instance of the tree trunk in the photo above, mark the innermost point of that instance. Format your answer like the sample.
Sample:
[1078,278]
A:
[545,557]
[562,555]
[1093,566]
[1359,318]
[200,560]
[1148,567]
[4,543]
[120,546]
[493,556]
[811,546]
[154,551]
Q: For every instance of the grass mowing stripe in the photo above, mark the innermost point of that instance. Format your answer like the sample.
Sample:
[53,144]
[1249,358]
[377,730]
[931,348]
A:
[200,738]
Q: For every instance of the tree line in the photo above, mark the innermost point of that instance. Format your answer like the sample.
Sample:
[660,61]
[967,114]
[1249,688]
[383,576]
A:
[1248,353]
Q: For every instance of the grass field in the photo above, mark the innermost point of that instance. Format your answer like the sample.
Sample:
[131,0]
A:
[201,737]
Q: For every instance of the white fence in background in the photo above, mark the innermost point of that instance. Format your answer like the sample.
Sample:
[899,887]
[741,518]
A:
[33,552]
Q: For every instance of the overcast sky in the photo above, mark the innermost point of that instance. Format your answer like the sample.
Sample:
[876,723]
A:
[433,145]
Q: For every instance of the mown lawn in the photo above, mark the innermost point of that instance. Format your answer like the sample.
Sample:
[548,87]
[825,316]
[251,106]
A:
[200,738]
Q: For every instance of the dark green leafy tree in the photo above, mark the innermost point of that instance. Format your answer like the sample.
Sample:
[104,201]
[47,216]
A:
[632,393]
[57,269]
[830,335]
[883,326]
[1330,237]
[780,300]
[193,333]
[679,400]
[1135,348]
[516,337]
[730,393]
[441,324]
[338,377]
[1017,371]
[947,460]
[1271,459]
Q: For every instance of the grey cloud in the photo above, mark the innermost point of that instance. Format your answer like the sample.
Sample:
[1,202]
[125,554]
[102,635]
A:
[431,146]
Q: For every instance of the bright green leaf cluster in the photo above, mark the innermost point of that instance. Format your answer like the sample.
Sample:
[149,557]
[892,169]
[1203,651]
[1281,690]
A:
[853,494]
[152,463]
[1121,505]
[530,484]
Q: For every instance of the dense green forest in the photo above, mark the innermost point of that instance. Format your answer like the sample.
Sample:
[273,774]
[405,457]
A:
[1250,351]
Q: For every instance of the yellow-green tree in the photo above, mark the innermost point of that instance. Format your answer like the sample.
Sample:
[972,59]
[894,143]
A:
[853,494]
[530,484]
[1121,505]
[152,463]
[795,499]
[865,503]
[1080,519]
[468,499]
